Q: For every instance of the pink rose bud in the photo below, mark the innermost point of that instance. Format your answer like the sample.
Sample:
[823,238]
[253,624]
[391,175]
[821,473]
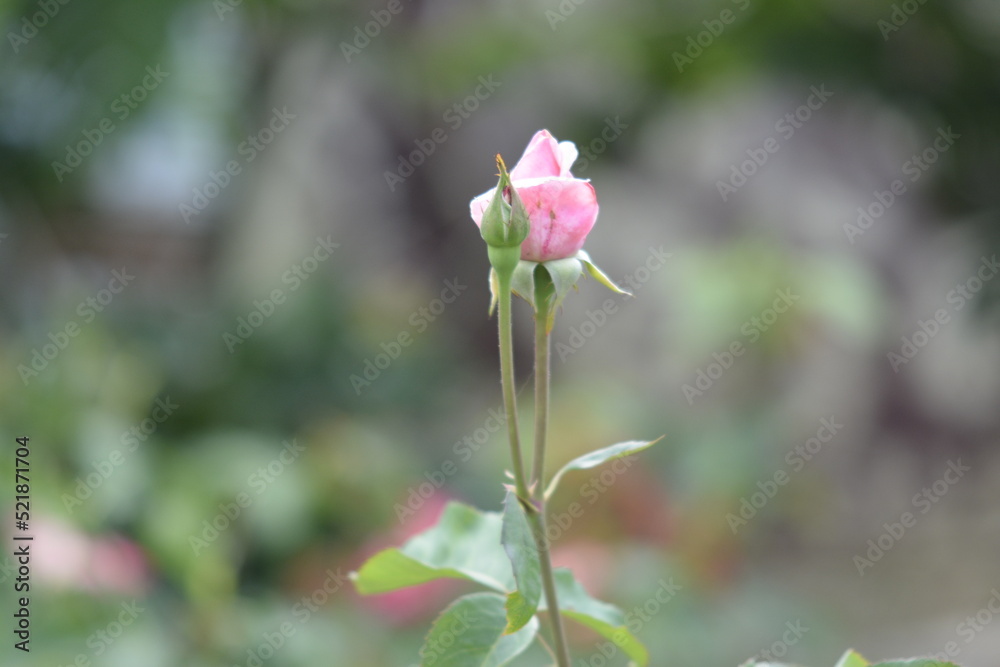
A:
[561,209]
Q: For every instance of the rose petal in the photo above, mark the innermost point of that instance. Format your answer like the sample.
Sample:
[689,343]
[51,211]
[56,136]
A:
[562,209]
[562,212]
[541,158]
[478,206]
[567,156]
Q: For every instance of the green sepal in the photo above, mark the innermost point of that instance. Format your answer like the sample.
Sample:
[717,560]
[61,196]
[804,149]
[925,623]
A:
[523,281]
[564,274]
[599,275]
[505,222]
[852,659]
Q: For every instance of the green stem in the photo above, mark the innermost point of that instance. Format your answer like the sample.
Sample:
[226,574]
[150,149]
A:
[542,373]
[537,520]
[543,295]
[507,382]
[534,504]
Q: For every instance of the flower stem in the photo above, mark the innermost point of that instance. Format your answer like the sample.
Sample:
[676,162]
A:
[534,503]
[542,373]
[543,295]
[507,382]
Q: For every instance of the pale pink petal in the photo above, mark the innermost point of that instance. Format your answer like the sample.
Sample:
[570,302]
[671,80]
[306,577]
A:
[562,209]
[590,561]
[478,205]
[63,564]
[541,158]
[567,156]
[414,604]
[562,213]
[74,560]
[119,565]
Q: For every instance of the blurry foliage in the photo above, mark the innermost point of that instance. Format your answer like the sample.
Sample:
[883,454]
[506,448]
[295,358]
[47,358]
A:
[366,452]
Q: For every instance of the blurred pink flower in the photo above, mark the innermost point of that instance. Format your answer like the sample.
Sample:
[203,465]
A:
[562,209]
[410,605]
[643,507]
[590,561]
[65,557]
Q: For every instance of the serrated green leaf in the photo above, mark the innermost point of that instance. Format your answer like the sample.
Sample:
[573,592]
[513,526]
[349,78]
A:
[852,659]
[605,619]
[596,458]
[465,544]
[470,633]
[599,275]
[523,281]
[519,543]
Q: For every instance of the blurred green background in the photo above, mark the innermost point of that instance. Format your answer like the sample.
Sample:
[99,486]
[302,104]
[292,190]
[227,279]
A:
[217,220]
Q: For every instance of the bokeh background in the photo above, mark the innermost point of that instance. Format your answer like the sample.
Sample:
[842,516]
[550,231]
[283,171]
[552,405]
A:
[217,217]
